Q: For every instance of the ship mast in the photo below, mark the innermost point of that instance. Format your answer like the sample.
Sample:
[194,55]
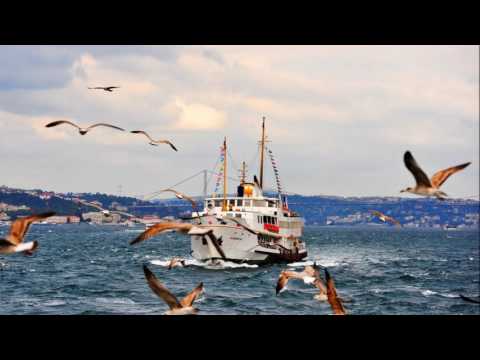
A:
[262,150]
[224,207]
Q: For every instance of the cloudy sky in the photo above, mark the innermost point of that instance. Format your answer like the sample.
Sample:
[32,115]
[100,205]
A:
[339,117]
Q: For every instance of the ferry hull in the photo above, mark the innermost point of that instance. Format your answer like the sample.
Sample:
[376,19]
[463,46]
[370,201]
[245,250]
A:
[241,246]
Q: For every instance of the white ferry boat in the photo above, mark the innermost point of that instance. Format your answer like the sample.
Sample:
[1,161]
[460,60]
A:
[249,227]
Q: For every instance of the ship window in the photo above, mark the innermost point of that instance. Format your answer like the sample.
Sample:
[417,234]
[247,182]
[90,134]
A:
[218,203]
[258,203]
[265,220]
[204,241]
[231,202]
[248,202]
[239,202]
[238,215]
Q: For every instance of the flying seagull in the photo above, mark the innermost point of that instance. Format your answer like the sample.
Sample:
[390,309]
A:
[176,262]
[105,212]
[82,131]
[161,228]
[426,186]
[385,218]
[154,142]
[184,228]
[14,241]
[182,196]
[106,88]
[183,307]
[309,275]
[333,298]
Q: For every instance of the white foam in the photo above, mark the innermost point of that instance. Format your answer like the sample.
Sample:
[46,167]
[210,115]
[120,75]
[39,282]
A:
[217,264]
[326,263]
[160,263]
[448,295]
[300,264]
[120,301]
[220,264]
[54,303]
[428,293]
[471,258]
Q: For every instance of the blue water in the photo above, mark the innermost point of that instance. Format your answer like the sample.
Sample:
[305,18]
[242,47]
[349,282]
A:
[84,269]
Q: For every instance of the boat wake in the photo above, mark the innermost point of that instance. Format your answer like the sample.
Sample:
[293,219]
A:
[215,265]
[327,263]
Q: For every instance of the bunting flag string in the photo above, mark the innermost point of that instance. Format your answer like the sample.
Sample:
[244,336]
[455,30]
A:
[275,170]
[277,179]
[220,171]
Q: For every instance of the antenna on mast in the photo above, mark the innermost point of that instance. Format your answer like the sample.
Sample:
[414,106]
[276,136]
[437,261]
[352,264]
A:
[262,150]
[243,173]
[224,207]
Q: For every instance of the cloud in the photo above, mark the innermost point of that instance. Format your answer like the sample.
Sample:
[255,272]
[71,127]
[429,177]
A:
[331,111]
[196,116]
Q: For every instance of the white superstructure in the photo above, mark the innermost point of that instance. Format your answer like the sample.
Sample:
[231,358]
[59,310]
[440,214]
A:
[249,226]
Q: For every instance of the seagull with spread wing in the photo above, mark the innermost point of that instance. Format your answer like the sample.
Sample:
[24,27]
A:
[184,228]
[154,142]
[426,186]
[13,243]
[106,88]
[81,130]
[182,196]
[385,218]
[183,307]
[309,275]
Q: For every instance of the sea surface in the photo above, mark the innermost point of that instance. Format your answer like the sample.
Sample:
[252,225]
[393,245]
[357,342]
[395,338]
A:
[87,269]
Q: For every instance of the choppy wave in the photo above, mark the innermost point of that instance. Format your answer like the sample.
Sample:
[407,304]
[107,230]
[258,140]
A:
[93,270]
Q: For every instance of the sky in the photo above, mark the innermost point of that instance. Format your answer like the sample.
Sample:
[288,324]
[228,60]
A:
[339,118]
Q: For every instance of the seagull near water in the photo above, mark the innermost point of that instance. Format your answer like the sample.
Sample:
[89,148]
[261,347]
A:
[176,262]
[154,142]
[426,186]
[309,275]
[183,307]
[82,131]
[106,88]
[13,243]
[385,218]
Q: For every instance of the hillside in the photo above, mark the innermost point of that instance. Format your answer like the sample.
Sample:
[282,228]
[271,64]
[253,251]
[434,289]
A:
[316,210]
